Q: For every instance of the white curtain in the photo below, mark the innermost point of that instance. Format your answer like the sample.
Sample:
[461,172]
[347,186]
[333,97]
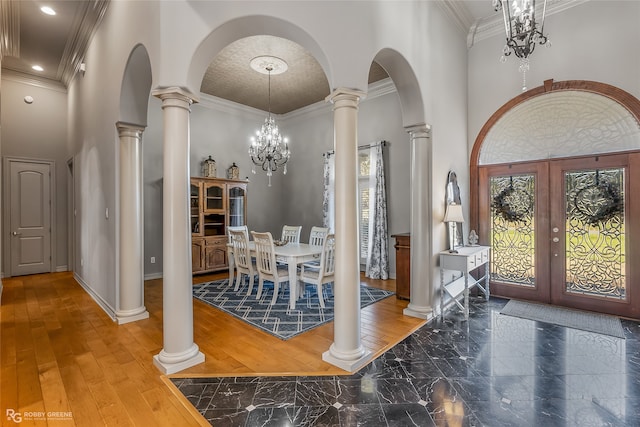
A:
[328,196]
[378,251]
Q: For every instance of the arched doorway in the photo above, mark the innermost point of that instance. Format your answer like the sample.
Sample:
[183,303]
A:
[556,171]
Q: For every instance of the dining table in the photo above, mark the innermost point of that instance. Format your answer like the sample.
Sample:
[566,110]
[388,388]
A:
[292,254]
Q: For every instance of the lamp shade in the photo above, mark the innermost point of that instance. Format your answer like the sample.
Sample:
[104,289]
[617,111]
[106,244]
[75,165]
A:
[453,213]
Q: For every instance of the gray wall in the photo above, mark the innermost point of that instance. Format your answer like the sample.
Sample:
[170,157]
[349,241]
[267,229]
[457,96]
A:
[222,130]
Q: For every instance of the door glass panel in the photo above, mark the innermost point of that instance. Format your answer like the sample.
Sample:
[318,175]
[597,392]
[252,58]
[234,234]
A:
[236,206]
[595,233]
[512,229]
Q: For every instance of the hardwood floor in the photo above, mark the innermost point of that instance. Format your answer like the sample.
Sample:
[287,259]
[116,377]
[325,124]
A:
[63,357]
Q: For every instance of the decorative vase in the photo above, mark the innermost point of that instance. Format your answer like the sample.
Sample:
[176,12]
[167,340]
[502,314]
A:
[233,172]
[209,168]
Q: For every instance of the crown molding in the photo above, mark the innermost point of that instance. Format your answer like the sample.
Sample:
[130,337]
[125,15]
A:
[225,106]
[27,79]
[85,25]
[493,25]
[9,28]
[458,13]
[377,89]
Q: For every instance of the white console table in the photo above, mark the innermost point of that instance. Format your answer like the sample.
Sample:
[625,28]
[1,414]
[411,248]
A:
[465,260]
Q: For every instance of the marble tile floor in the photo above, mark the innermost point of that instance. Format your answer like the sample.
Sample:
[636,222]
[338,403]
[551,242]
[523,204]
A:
[492,370]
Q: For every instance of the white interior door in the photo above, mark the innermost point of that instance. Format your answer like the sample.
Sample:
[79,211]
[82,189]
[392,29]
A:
[30,217]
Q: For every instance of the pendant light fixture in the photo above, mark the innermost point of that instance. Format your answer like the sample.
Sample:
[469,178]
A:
[524,29]
[269,149]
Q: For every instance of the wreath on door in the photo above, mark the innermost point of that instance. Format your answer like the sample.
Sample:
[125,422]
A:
[513,205]
[598,202]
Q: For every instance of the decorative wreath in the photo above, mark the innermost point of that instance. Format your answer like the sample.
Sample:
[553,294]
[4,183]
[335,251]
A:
[609,198]
[503,206]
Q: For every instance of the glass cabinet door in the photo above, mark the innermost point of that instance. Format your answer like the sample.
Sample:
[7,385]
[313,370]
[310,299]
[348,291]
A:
[237,199]
[194,205]
[214,197]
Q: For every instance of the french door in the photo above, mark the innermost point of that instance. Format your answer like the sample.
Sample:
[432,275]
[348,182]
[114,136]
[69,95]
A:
[565,231]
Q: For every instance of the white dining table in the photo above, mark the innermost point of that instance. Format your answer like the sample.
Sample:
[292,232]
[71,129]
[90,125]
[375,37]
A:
[293,254]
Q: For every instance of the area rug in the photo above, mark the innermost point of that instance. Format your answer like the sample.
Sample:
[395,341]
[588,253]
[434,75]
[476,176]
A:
[277,319]
[576,319]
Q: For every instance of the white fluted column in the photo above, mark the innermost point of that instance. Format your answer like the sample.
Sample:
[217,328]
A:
[179,351]
[346,352]
[422,293]
[131,272]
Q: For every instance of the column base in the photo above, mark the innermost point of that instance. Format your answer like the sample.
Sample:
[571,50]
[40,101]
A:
[350,362]
[419,312]
[128,316]
[172,363]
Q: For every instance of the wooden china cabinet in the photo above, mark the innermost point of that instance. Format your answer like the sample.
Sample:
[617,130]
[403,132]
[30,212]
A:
[215,204]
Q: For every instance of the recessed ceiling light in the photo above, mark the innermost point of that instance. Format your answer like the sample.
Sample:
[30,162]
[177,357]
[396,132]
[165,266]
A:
[47,10]
[37,68]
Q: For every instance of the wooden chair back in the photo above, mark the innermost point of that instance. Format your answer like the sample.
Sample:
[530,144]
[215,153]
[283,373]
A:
[241,253]
[328,260]
[265,255]
[318,235]
[291,233]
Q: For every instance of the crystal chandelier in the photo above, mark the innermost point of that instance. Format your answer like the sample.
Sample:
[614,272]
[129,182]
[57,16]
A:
[268,148]
[522,31]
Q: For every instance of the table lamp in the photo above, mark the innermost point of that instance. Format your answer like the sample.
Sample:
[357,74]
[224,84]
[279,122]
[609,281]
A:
[453,214]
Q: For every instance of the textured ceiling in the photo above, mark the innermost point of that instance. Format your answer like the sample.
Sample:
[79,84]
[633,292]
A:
[230,76]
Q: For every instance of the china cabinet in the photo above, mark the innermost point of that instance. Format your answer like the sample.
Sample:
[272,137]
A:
[215,204]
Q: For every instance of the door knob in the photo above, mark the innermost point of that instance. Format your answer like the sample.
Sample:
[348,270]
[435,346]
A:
[15,233]
[556,229]
[556,240]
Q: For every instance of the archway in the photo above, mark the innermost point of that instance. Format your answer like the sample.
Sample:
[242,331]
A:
[135,89]
[421,290]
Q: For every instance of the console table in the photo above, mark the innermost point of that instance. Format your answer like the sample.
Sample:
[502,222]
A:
[465,260]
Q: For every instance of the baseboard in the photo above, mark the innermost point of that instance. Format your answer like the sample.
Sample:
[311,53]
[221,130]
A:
[152,276]
[97,298]
[61,268]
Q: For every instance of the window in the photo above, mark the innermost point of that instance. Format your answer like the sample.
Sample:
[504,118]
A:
[364,190]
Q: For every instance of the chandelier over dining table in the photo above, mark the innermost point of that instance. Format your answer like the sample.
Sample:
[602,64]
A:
[269,149]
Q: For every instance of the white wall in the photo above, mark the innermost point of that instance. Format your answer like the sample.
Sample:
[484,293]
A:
[39,131]
[593,41]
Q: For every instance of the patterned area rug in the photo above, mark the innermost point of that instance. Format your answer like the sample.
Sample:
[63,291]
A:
[576,319]
[277,319]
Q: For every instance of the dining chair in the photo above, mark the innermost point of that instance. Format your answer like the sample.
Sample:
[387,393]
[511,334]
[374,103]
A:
[291,233]
[325,273]
[317,235]
[242,257]
[266,264]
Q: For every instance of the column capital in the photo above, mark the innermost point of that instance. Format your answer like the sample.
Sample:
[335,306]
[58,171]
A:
[421,130]
[177,93]
[129,129]
[344,94]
